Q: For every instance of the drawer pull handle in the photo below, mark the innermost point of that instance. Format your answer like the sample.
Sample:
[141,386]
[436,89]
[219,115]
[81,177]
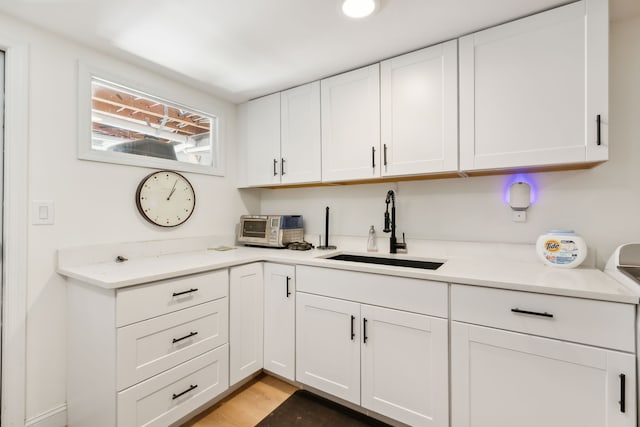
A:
[623,397]
[533,313]
[191,387]
[192,334]
[364,330]
[177,294]
[353,332]
[288,291]
[598,132]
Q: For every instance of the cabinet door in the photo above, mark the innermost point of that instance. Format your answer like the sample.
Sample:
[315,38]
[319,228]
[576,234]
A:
[245,321]
[405,366]
[531,90]
[419,111]
[328,345]
[506,379]
[300,143]
[279,319]
[351,125]
[263,140]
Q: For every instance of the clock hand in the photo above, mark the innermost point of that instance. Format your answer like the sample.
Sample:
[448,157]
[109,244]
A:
[172,190]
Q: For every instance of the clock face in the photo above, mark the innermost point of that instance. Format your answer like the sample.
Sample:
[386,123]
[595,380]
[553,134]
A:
[165,198]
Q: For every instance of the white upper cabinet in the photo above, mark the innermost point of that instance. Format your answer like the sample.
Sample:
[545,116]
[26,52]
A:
[534,92]
[419,111]
[351,125]
[263,140]
[300,139]
[283,137]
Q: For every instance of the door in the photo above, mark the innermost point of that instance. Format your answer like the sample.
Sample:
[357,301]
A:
[506,379]
[419,111]
[328,345]
[405,366]
[279,319]
[351,125]
[300,142]
[531,90]
[263,140]
[245,321]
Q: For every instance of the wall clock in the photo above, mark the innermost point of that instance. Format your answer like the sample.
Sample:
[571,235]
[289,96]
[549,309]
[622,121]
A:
[165,198]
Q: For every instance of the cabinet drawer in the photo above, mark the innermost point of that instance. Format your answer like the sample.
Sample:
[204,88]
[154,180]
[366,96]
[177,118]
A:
[155,345]
[166,398]
[154,299]
[401,293]
[600,323]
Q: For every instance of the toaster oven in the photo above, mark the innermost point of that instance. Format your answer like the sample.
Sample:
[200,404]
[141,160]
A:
[275,231]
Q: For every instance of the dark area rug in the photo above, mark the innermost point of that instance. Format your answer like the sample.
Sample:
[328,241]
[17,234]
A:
[305,409]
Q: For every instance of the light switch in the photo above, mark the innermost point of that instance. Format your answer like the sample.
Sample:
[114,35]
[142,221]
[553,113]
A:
[42,212]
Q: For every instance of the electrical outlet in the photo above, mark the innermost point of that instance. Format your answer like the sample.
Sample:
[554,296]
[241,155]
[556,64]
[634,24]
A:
[519,216]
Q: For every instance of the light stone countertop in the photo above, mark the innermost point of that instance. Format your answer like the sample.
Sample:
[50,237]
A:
[504,266]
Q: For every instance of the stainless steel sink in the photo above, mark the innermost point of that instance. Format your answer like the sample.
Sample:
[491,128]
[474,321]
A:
[398,262]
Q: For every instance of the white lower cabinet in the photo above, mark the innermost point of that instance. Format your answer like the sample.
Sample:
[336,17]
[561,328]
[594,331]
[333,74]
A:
[525,359]
[146,355]
[246,305]
[392,362]
[506,379]
[404,366]
[280,319]
[328,345]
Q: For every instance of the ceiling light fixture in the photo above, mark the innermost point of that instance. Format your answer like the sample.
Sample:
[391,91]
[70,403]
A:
[358,8]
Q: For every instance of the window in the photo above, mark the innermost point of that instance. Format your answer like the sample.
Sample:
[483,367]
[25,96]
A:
[128,126]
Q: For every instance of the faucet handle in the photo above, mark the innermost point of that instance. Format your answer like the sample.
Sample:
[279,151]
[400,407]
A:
[402,247]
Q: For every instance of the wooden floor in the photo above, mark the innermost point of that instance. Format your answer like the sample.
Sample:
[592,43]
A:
[246,407]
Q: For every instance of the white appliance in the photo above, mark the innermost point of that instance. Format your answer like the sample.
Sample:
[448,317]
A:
[624,266]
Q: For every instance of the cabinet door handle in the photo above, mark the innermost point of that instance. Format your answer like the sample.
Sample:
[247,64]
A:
[364,330]
[598,138]
[353,332]
[177,294]
[623,393]
[288,292]
[275,164]
[373,157]
[282,166]
[384,152]
[192,334]
[533,313]
[191,387]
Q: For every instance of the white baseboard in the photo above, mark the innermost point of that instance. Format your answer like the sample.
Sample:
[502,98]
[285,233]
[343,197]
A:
[56,417]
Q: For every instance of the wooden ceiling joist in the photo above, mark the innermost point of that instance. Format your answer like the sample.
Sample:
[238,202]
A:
[103,96]
[127,113]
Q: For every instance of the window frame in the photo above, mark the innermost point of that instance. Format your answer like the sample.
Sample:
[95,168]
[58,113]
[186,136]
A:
[86,75]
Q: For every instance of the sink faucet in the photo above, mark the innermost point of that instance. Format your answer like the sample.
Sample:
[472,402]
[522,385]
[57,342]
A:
[390,225]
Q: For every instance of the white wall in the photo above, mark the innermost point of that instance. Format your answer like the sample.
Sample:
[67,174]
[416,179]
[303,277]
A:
[602,204]
[94,202]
